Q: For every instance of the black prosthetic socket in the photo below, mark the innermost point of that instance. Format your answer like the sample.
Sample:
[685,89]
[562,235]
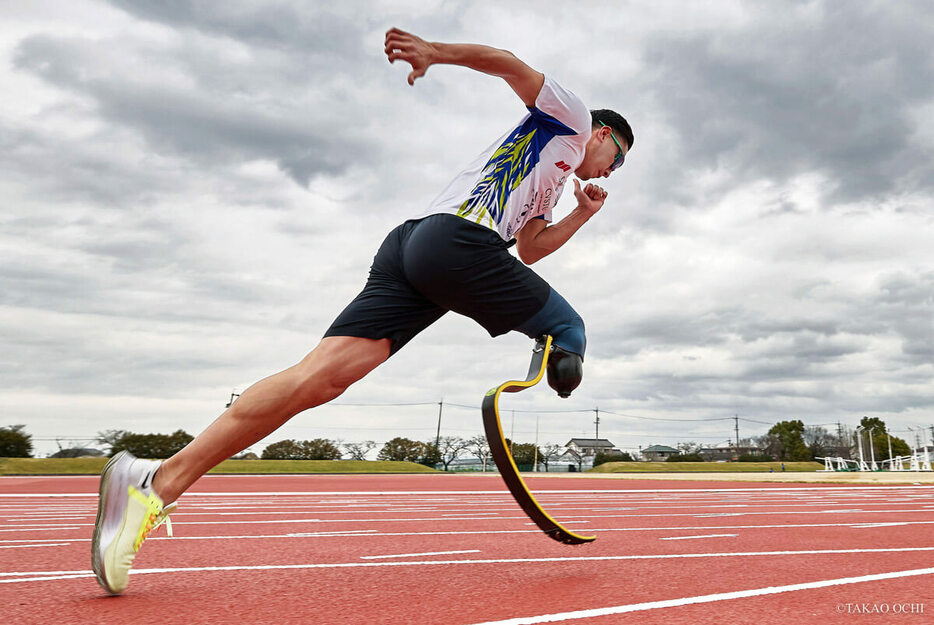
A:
[565,371]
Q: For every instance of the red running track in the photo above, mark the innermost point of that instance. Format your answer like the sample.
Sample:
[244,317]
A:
[456,550]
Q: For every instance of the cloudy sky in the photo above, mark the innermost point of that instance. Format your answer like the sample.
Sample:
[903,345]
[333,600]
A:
[190,191]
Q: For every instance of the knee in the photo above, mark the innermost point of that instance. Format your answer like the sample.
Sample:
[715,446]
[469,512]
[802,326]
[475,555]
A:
[315,386]
[339,362]
[562,322]
[571,335]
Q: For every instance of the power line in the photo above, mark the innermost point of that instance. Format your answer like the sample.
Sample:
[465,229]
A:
[630,416]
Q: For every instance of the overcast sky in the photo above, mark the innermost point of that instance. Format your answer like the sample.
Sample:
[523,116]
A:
[191,191]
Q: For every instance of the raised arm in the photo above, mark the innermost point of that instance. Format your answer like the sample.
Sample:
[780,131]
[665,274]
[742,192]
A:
[421,54]
[536,239]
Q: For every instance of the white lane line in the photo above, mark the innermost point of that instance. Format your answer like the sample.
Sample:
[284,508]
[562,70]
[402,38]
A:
[723,596]
[413,555]
[703,536]
[354,533]
[864,525]
[311,534]
[21,576]
[49,528]
[29,546]
[565,519]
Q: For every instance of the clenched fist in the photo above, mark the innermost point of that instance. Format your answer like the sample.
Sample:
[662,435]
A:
[589,198]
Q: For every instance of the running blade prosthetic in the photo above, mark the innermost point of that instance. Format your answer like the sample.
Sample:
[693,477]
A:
[504,460]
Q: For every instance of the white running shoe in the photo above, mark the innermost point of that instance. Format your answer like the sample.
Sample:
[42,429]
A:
[128,510]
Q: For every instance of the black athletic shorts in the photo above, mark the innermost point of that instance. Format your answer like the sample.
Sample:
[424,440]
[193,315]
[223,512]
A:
[429,266]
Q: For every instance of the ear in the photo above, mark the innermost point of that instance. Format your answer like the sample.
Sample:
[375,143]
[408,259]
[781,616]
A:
[595,136]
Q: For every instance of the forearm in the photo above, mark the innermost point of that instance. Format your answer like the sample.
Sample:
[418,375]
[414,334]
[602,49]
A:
[478,57]
[524,80]
[420,54]
[554,236]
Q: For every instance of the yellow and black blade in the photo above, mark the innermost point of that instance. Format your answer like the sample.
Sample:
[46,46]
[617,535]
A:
[503,459]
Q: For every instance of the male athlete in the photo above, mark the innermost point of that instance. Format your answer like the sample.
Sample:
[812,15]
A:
[454,258]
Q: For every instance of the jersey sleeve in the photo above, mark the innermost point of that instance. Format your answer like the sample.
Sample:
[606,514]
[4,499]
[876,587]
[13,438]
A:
[564,106]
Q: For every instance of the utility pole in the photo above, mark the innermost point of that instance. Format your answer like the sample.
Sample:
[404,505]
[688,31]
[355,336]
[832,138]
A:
[438,435]
[736,422]
[597,422]
[535,460]
[512,432]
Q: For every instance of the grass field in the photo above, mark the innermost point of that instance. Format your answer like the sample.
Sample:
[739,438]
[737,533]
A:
[704,467]
[93,466]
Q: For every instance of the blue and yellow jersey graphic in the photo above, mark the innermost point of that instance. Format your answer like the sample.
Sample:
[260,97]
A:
[509,166]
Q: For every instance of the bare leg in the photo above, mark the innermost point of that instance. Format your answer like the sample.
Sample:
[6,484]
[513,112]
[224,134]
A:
[336,363]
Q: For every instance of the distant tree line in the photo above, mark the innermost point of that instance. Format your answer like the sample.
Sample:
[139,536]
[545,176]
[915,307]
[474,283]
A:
[788,440]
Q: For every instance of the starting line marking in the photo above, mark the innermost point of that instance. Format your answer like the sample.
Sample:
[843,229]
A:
[673,603]
[704,536]
[412,555]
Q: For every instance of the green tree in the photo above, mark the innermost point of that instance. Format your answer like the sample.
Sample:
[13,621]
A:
[152,445]
[611,456]
[789,436]
[321,449]
[429,454]
[523,453]
[15,442]
[287,449]
[401,449]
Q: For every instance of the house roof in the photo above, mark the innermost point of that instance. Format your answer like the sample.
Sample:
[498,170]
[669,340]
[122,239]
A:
[664,448]
[590,442]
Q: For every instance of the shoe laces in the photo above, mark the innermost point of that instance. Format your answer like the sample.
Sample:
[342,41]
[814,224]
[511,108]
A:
[156,515]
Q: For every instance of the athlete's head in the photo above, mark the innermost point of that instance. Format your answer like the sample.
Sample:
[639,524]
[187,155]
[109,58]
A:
[610,140]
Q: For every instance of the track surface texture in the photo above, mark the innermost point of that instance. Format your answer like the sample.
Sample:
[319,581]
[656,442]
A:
[456,550]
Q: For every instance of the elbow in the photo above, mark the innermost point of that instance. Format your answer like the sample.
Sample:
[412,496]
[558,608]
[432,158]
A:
[528,256]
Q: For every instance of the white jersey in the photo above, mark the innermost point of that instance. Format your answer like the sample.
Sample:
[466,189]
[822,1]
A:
[522,175]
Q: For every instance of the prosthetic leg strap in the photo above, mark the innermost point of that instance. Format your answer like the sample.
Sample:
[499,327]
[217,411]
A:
[504,461]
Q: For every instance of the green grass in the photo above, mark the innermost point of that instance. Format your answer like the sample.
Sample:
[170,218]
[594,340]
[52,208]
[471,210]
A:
[704,467]
[320,466]
[93,466]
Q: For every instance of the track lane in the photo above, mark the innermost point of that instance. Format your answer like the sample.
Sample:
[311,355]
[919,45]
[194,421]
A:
[509,570]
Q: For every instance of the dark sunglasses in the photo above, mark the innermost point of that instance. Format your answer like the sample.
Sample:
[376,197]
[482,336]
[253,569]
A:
[620,156]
